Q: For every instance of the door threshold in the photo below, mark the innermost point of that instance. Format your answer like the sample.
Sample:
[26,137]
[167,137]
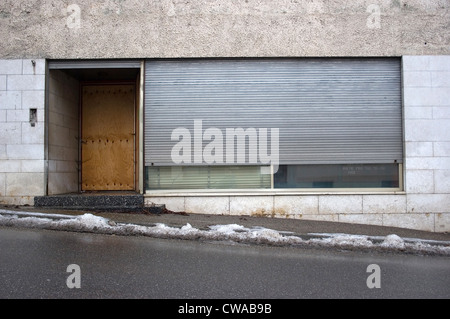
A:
[93,201]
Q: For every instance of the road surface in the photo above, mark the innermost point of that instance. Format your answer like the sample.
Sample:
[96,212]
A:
[43,264]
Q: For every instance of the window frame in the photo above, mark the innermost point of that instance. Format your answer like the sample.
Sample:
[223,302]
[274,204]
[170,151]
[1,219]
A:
[285,191]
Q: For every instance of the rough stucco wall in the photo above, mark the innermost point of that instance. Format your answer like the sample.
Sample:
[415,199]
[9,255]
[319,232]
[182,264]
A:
[225,28]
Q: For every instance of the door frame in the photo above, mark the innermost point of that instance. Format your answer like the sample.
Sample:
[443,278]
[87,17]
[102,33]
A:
[72,69]
[135,129]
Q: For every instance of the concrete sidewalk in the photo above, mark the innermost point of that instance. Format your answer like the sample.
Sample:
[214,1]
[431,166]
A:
[303,228]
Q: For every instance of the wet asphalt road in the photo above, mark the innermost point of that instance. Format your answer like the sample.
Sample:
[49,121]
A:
[34,265]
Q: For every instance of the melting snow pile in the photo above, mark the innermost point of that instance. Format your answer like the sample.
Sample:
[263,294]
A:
[91,223]
[344,240]
[393,241]
[232,232]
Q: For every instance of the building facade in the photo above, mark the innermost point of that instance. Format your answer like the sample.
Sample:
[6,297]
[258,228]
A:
[317,110]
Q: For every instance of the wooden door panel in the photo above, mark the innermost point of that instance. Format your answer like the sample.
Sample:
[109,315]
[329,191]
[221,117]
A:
[108,137]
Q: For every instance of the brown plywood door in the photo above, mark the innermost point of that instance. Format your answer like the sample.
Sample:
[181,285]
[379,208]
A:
[108,137]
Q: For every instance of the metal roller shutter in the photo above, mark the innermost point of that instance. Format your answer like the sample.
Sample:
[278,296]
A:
[328,111]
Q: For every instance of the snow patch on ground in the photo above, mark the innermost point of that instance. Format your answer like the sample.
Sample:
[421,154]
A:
[393,241]
[344,240]
[231,232]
